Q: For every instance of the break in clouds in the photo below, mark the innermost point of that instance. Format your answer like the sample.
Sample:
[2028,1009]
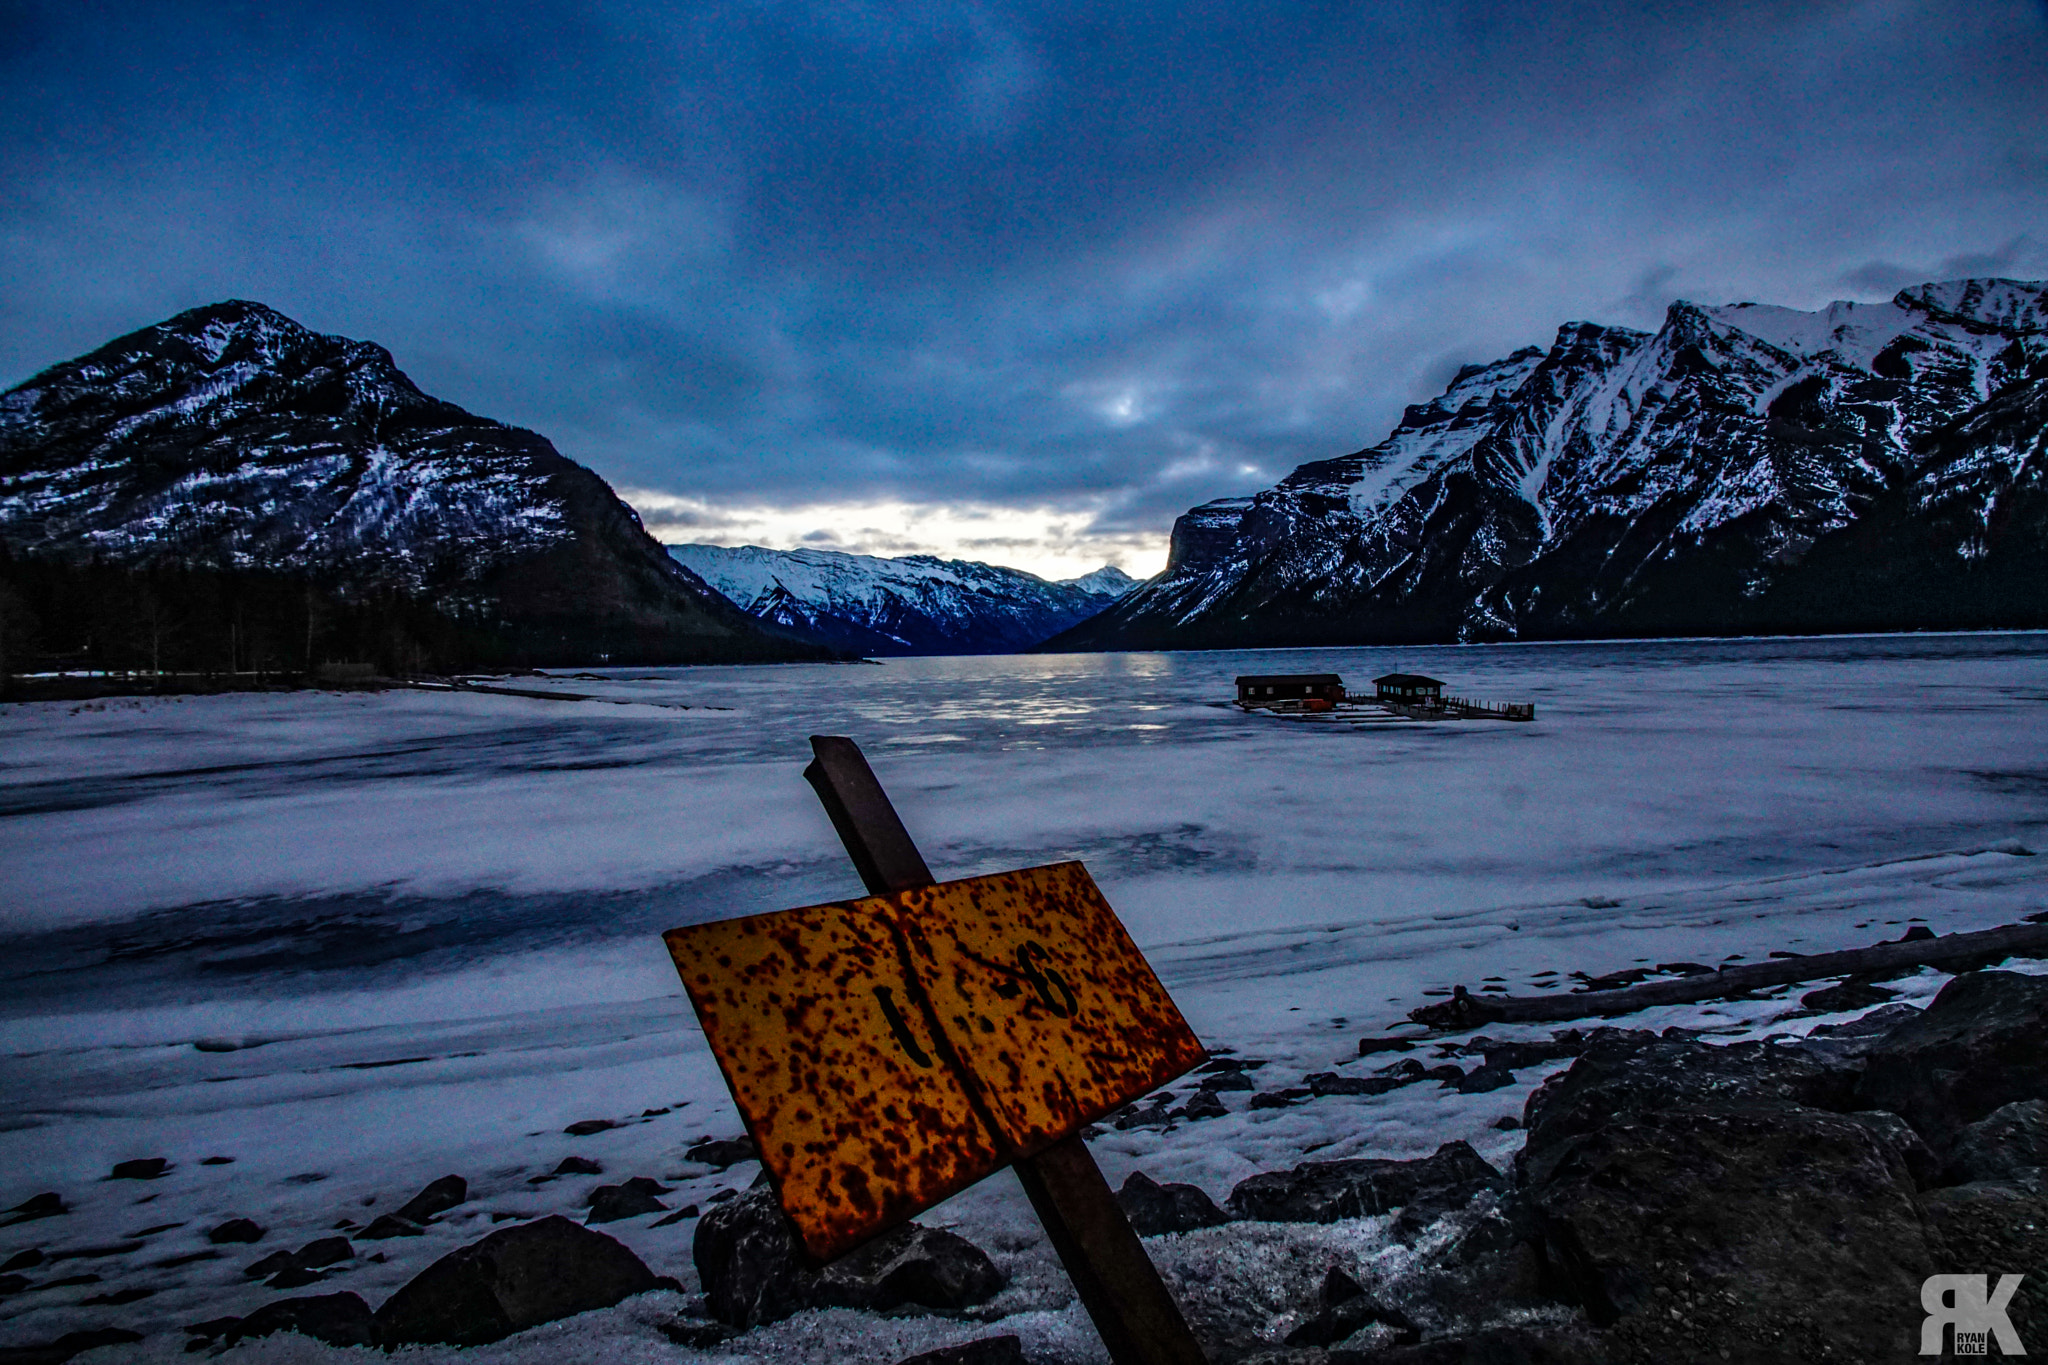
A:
[1016,283]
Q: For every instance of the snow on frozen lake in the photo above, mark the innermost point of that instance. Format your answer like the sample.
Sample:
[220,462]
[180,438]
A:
[358,941]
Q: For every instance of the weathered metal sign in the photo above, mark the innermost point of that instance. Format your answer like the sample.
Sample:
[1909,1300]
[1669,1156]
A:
[890,1051]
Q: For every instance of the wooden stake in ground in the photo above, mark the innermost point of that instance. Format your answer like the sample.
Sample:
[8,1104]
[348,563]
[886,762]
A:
[888,1052]
[1119,1286]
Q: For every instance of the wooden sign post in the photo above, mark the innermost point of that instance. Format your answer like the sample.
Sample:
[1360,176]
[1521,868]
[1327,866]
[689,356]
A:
[888,1052]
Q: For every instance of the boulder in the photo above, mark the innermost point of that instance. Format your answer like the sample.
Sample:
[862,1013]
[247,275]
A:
[610,1203]
[1204,1104]
[696,1333]
[436,1199]
[750,1263]
[1488,1265]
[385,1226]
[1346,1309]
[1368,1046]
[325,1251]
[1875,1024]
[753,1269]
[1226,1080]
[719,1153]
[589,1127]
[1898,1135]
[1770,1230]
[146,1168]
[1482,1079]
[1325,1191]
[1997,1227]
[70,1344]
[1849,995]
[515,1278]
[337,1319]
[1155,1209]
[911,1264]
[1516,1056]
[2005,1144]
[985,1351]
[1621,1074]
[578,1165]
[48,1204]
[1742,1199]
[271,1265]
[235,1230]
[1982,1044]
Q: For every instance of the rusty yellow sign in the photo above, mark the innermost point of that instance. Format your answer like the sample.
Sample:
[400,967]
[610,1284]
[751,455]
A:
[890,1051]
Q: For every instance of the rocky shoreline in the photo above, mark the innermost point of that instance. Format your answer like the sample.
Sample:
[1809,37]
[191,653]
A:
[1676,1200]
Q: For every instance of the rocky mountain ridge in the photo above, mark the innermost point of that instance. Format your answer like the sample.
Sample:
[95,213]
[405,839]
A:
[1744,469]
[230,442]
[913,604]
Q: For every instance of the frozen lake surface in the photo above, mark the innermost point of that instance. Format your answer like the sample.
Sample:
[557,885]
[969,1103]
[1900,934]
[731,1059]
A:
[417,932]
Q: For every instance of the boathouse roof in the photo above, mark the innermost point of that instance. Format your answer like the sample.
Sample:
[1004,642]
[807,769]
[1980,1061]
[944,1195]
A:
[1406,680]
[1286,679]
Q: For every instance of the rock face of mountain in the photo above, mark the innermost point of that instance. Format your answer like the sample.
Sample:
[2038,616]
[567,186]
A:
[917,604]
[1744,469]
[230,440]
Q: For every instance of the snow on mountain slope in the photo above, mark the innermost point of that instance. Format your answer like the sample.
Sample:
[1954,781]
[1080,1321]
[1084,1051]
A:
[1675,482]
[231,438]
[917,604]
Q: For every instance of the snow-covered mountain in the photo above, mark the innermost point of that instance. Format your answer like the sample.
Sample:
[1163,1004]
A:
[917,604]
[1745,468]
[230,439]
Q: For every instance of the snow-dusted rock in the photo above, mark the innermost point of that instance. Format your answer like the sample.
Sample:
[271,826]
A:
[1743,468]
[917,604]
[2008,1143]
[516,1278]
[1981,1045]
[337,1319]
[439,1196]
[1326,1191]
[1155,1209]
[753,1270]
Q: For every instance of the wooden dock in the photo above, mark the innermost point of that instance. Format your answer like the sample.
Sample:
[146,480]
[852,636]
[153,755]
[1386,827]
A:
[1451,708]
[1364,707]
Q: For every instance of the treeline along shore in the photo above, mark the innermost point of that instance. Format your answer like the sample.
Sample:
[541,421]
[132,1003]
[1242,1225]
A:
[106,628]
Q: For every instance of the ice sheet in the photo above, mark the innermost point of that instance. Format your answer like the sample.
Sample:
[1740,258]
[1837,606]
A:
[416,932]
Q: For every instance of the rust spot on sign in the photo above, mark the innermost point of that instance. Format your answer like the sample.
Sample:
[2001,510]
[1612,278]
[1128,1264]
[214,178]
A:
[891,1051]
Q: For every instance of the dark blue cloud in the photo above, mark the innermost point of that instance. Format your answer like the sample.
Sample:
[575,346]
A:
[1004,252]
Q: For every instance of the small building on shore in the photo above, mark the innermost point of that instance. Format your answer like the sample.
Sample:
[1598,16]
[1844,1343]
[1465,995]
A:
[1264,689]
[1408,689]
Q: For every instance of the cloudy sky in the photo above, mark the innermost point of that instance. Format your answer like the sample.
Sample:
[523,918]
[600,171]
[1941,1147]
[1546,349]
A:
[1014,282]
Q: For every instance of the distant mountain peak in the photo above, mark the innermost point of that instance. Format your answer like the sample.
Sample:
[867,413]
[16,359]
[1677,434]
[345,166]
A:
[1746,467]
[911,604]
[1107,581]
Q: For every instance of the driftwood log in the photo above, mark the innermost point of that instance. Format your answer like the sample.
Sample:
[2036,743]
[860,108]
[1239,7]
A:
[1954,952]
